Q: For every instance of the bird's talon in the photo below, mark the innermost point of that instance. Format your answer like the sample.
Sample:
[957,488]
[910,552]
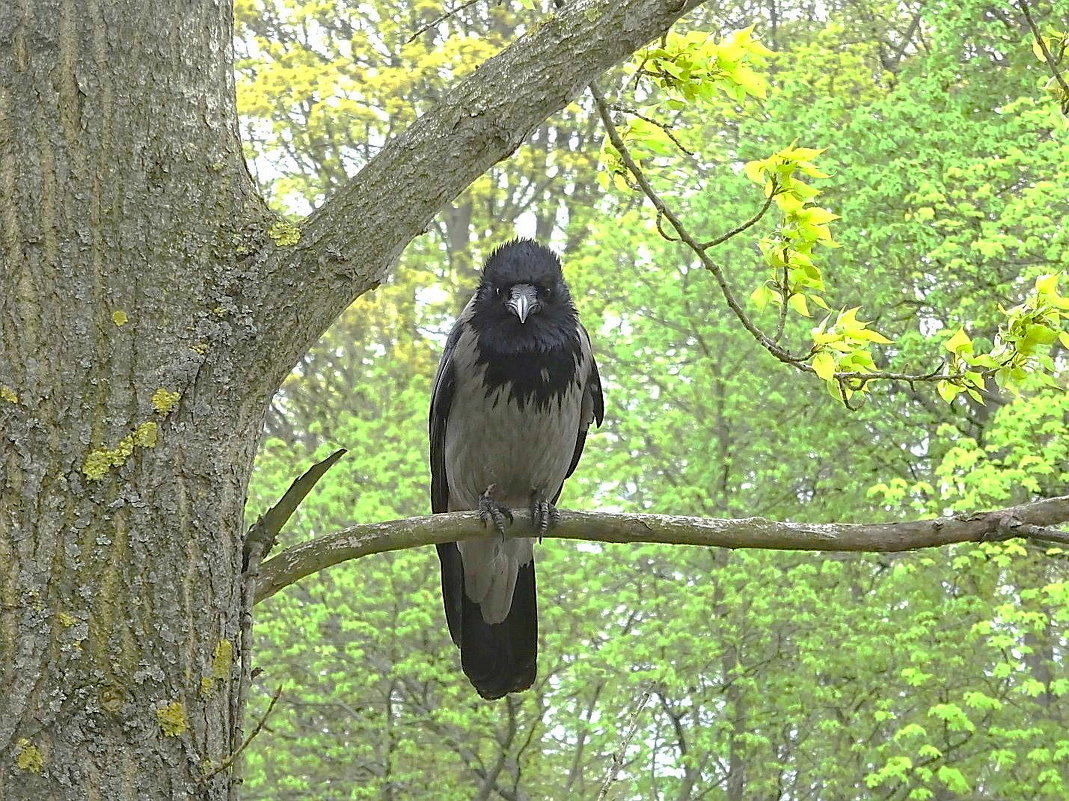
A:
[489,509]
[544,515]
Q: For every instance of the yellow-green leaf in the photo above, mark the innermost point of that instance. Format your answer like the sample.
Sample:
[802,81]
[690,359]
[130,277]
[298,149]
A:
[947,391]
[1048,284]
[797,302]
[872,336]
[824,365]
[761,296]
[959,343]
[755,170]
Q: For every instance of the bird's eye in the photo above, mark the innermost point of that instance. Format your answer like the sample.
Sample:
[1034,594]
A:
[546,292]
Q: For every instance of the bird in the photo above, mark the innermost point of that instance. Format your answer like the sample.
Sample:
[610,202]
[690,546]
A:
[516,390]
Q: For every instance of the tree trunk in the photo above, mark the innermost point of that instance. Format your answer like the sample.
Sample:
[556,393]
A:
[126,441]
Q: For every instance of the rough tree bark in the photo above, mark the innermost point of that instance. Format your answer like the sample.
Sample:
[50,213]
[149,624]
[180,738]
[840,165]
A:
[150,307]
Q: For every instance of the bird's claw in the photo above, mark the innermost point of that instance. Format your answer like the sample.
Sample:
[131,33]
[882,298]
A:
[544,514]
[489,509]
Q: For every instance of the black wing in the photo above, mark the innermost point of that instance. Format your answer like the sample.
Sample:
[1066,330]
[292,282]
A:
[593,409]
[593,405]
[441,403]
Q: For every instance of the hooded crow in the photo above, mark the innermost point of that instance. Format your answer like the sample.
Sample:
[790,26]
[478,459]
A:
[515,393]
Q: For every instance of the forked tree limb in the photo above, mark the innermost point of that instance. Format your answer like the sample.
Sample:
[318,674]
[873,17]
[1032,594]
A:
[1034,521]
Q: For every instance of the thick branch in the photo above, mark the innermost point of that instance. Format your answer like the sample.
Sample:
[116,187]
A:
[1030,520]
[348,245]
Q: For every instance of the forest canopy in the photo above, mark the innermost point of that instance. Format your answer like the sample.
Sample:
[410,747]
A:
[915,162]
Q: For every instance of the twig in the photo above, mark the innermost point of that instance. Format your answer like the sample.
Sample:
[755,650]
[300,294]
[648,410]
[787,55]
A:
[621,750]
[684,235]
[262,534]
[666,128]
[785,296]
[660,229]
[229,761]
[450,13]
[259,541]
[773,191]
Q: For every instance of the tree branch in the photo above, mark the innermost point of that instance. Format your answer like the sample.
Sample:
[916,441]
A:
[1031,520]
[846,379]
[348,246]
[1048,57]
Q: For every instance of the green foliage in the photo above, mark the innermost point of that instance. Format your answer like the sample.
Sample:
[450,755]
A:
[909,676]
[693,66]
[687,71]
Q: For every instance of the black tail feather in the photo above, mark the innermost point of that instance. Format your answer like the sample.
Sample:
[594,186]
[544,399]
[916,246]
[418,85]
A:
[497,658]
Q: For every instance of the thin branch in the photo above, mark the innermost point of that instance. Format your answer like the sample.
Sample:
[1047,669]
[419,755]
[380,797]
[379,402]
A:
[442,18]
[259,540]
[681,231]
[1047,55]
[621,750]
[1031,521]
[229,761]
[664,127]
[773,191]
[264,531]
[893,63]
[785,288]
[770,344]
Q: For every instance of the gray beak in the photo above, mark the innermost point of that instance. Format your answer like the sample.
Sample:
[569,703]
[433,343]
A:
[523,300]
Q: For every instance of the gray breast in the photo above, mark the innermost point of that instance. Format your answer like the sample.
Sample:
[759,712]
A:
[490,440]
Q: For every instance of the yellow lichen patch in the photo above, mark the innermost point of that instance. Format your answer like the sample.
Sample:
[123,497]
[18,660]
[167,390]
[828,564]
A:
[219,311]
[66,620]
[172,719]
[163,401]
[119,318]
[284,234]
[207,686]
[98,462]
[147,435]
[222,659]
[8,394]
[29,757]
[199,347]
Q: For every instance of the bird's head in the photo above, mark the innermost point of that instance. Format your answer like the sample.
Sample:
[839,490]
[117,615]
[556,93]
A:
[523,286]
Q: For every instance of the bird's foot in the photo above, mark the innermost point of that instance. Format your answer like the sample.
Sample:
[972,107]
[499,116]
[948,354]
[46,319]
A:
[544,514]
[489,509]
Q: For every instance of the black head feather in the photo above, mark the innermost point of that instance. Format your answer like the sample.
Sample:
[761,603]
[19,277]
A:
[539,355]
[522,261]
